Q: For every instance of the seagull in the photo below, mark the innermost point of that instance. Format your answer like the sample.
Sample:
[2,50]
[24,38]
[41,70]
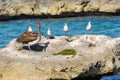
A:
[49,33]
[30,38]
[89,26]
[66,29]
[29,29]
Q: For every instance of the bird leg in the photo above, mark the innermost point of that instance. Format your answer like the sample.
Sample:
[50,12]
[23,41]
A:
[29,48]
[89,32]
[49,36]
[67,34]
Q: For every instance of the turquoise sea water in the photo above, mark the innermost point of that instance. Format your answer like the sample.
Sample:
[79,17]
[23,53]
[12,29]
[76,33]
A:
[109,26]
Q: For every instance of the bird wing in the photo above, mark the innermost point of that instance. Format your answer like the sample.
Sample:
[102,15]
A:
[26,37]
[65,28]
[49,32]
[88,26]
[32,33]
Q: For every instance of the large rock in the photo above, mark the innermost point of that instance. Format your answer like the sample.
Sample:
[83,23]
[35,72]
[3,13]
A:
[57,7]
[96,55]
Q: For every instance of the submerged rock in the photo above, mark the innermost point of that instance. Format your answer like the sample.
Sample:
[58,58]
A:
[95,55]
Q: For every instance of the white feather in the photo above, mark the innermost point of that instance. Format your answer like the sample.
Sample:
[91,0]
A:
[29,29]
[49,33]
[65,29]
[89,26]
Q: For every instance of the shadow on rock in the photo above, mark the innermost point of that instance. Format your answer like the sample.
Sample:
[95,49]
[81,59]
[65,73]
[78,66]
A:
[97,77]
[37,47]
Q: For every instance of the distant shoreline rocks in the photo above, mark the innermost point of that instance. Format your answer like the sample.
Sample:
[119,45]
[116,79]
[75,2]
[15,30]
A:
[57,8]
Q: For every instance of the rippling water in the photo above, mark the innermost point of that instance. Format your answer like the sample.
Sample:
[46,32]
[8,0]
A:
[109,26]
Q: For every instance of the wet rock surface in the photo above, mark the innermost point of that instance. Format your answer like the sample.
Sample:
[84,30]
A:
[96,55]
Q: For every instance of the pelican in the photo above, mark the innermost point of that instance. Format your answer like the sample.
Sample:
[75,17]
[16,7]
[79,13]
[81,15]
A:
[30,38]
[66,29]
[89,26]
[29,29]
[49,33]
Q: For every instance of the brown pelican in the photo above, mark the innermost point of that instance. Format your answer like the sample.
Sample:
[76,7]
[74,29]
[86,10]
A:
[30,38]
[89,26]
[49,33]
[66,29]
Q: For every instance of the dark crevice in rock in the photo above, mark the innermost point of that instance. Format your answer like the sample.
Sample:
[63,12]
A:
[63,70]
[58,79]
[85,2]
[97,77]
[62,15]
[75,14]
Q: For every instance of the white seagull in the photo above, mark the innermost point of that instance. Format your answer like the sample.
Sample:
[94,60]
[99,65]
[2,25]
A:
[29,29]
[66,29]
[89,26]
[49,33]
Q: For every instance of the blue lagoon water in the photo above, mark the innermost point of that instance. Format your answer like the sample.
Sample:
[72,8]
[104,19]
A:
[109,26]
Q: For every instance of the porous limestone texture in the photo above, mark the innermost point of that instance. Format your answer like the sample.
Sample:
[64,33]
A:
[96,55]
[57,7]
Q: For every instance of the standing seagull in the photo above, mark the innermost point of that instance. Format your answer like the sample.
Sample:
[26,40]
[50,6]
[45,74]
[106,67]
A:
[29,29]
[49,33]
[66,29]
[30,38]
[89,26]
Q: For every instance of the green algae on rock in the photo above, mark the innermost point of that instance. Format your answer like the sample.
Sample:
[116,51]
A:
[66,52]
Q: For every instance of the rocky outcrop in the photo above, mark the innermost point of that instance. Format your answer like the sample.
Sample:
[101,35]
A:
[48,8]
[96,55]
